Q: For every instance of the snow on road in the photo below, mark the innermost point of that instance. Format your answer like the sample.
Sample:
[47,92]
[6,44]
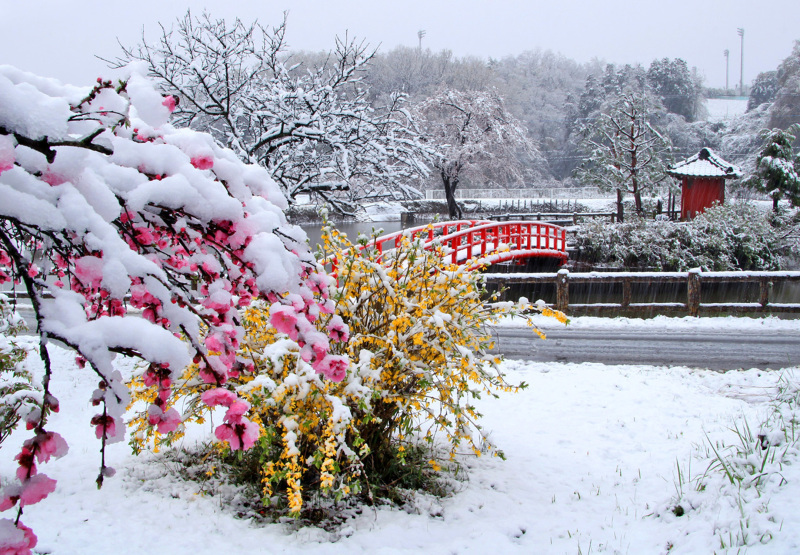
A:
[592,452]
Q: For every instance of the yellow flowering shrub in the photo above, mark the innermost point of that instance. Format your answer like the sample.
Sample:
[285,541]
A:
[416,333]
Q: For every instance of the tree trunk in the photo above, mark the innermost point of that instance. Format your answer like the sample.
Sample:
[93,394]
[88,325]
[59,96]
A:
[619,206]
[450,186]
[775,201]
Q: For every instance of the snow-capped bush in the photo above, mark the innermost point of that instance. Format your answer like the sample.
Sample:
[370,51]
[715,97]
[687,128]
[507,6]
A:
[133,237]
[411,341]
[727,237]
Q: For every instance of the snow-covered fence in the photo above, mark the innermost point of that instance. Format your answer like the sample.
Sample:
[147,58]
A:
[692,279]
[537,193]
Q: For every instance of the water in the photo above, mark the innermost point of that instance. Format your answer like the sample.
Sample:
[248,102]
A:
[353,230]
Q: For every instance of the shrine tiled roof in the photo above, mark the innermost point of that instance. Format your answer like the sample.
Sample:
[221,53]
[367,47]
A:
[705,163]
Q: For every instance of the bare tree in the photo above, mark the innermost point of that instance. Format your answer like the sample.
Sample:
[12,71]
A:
[312,127]
[626,153]
[477,139]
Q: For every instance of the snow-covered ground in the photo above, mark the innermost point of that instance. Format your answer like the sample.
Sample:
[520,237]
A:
[724,109]
[592,457]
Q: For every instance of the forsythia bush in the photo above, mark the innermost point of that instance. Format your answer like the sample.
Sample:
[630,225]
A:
[411,339]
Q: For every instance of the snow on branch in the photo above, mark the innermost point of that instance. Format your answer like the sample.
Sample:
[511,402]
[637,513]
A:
[306,124]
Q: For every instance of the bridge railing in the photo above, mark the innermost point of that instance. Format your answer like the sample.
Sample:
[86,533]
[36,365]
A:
[426,231]
[521,239]
[693,306]
[467,239]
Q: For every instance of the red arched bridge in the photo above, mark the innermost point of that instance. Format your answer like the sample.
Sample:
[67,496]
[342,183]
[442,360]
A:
[486,241]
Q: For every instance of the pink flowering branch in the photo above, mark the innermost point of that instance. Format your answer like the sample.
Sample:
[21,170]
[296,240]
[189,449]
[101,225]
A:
[159,238]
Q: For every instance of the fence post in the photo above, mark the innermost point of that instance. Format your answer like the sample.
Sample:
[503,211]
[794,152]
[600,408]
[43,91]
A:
[693,292]
[764,286]
[626,292]
[562,290]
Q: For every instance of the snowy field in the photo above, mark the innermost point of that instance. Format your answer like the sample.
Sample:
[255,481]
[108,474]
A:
[724,109]
[592,458]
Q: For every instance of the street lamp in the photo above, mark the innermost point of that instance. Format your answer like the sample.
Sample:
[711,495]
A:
[740,30]
[727,60]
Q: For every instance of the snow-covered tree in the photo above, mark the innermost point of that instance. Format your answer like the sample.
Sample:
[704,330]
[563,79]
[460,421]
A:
[786,108]
[777,171]
[421,73]
[625,152]
[477,139]
[132,237]
[539,88]
[677,86]
[312,127]
[764,89]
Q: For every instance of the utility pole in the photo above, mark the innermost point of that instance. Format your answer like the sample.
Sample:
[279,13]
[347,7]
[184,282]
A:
[421,33]
[740,30]
[727,65]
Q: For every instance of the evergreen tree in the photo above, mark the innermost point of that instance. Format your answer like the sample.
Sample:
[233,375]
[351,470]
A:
[786,109]
[677,87]
[763,90]
[777,167]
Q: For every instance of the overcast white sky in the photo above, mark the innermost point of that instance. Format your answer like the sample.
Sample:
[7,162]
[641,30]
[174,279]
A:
[59,38]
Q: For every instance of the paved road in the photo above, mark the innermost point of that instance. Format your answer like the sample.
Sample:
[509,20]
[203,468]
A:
[713,349]
[716,350]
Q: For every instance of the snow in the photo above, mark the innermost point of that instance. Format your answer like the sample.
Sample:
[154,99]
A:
[383,211]
[592,453]
[706,163]
[724,109]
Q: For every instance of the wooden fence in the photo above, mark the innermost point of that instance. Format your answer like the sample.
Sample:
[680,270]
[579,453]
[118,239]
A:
[693,279]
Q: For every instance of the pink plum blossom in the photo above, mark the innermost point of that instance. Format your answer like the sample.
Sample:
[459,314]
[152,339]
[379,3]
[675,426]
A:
[214,344]
[89,269]
[284,319]
[35,489]
[239,436]
[236,411]
[169,102]
[16,542]
[218,396]
[333,367]
[7,155]
[50,444]
[53,179]
[10,496]
[104,425]
[204,162]
[164,422]
[337,329]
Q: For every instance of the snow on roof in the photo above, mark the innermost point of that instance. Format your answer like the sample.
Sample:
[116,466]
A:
[705,163]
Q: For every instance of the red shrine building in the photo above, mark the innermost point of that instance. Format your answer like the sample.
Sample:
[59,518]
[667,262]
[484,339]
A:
[702,181]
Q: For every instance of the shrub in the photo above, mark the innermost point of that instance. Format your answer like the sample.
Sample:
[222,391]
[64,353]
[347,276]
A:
[412,340]
[18,396]
[724,237]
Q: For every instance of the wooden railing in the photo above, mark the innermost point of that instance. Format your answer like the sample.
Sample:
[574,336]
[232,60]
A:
[693,306]
[468,239]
